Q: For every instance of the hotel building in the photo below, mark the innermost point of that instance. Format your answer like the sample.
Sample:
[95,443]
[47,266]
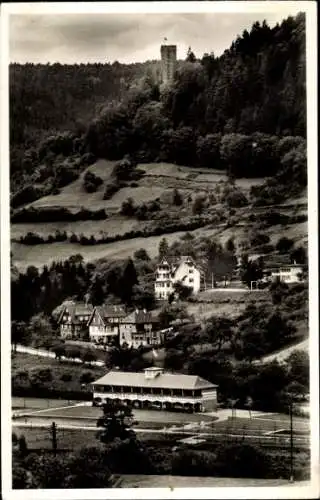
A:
[156,389]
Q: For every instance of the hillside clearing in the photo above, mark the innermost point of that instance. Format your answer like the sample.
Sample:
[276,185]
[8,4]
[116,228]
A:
[44,254]
[39,255]
[159,177]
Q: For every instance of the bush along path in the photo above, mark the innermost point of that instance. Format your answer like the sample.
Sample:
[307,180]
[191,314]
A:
[50,354]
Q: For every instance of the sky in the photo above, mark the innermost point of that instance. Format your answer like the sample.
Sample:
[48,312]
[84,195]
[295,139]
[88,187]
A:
[127,38]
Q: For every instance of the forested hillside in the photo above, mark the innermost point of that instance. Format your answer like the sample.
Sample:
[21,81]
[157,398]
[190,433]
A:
[230,112]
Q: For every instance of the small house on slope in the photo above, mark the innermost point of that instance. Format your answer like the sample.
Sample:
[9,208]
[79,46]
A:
[139,329]
[104,323]
[73,321]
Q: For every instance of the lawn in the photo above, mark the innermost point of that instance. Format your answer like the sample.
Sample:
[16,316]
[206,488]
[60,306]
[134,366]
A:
[140,481]
[198,175]
[40,438]
[40,255]
[70,439]
[22,362]
[240,425]
[19,403]
[159,181]
[159,418]
[112,226]
[73,195]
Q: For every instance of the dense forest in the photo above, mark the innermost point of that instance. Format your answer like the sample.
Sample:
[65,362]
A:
[243,111]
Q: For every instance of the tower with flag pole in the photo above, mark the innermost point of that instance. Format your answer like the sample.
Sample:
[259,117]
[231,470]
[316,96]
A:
[168,61]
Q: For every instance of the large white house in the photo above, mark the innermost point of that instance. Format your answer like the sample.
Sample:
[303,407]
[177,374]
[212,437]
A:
[156,389]
[176,269]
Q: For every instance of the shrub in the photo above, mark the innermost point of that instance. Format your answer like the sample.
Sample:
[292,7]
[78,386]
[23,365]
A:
[22,444]
[198,205]
[177,198]
[66,377]
[236,199]
[86,378]
[259,239]
[64,176]
[88,356]
[73,238]
[53,214]
[243,460]
[91,182]
[59,351]
[284,244]
[110,190]
[141,254]
[128,208]
[141,212]
[72,353]
[43,375]
[31,239]
[267,248]
[273,218]
[27,194]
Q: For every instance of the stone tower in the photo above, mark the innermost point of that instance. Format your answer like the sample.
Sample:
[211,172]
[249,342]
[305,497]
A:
[168,62]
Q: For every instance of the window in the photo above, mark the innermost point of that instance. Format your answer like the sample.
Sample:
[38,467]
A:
[187,393]
[190,271]
[177,392]
[190,280]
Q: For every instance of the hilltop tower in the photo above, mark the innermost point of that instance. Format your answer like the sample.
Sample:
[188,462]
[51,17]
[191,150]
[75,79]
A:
[168,62]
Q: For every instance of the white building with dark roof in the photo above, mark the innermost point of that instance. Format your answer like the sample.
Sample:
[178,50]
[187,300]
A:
[104,323]
[280,267]
[139,329]
[157,389]
[171,270]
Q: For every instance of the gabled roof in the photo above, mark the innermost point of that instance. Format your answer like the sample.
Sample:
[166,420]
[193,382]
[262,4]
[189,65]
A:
[273,261]
[164,380]
[140,317]
[175,260]
[107,312]
[111,311]
[75,310]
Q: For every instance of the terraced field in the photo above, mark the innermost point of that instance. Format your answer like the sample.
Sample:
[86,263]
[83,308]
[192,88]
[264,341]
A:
[159,182]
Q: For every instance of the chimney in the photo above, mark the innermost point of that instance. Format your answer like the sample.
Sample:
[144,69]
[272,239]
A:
[152,372]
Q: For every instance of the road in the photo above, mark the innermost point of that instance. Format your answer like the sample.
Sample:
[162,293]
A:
[285,353]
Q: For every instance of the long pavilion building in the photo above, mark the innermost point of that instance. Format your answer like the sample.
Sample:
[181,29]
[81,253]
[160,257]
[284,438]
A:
[155,388]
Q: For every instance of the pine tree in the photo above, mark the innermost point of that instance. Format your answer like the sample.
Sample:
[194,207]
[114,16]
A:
[163,248]
[128,281]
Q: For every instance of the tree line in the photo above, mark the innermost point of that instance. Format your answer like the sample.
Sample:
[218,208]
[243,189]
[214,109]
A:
[231,112]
